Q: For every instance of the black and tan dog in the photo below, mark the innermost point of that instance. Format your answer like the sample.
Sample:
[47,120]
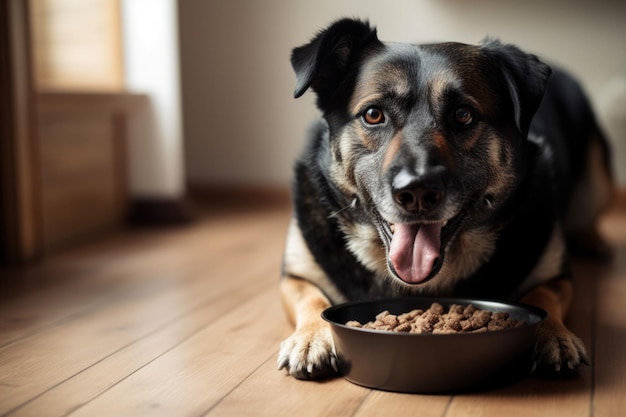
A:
[443,169]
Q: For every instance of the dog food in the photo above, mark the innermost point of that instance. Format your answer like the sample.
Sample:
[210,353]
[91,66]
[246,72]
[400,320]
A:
[436,320]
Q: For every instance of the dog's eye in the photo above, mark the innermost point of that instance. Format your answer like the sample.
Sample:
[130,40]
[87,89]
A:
[463,115]
[373,116]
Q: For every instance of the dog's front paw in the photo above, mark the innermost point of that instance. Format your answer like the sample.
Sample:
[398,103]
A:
[309,353]
[558,351]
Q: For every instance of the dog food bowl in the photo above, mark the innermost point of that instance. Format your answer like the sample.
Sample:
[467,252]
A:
[432,363]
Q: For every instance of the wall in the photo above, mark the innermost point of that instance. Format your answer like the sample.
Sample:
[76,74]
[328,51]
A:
[242,125]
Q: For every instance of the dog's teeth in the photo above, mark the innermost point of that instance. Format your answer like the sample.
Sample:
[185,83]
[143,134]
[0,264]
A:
[445,223]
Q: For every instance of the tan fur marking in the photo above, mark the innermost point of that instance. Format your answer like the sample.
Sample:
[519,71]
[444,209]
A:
[365,140]
[401,85]
[392,150]
[309,352]
[303,302]
[501,176]
[471,141]
[554,297]
[342,172]
[443,147]
[375,81]
[364,242]
[365,98]
[437,86]
[299,262]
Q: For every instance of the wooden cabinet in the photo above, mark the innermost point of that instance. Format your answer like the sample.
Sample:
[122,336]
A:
[83,163]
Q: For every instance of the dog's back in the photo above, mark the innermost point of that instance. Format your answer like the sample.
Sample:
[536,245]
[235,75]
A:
[575,147]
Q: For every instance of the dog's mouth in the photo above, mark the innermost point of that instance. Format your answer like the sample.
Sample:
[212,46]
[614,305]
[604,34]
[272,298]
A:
[416,251]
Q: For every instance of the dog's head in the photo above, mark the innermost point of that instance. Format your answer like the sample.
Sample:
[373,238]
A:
[430,139]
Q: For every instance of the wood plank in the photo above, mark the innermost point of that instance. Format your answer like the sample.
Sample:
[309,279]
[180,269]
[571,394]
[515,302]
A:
[383,404]
[131,311]
[63,352]
[34,298]
[77,44]
[190,378]
[274,393]
[82,143]
[80,160]
[96,379]
[610,372]
[533,397]
[610,342]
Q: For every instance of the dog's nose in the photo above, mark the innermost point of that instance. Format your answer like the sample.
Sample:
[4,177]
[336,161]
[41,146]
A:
[420,193]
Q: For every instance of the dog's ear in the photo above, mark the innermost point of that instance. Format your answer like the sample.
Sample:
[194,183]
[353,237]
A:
[323,63]
[525,76]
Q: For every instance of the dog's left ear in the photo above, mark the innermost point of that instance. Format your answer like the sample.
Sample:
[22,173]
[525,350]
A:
[526,78]
[325,61]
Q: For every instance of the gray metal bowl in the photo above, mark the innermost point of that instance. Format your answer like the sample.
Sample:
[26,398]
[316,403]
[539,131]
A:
[432,363]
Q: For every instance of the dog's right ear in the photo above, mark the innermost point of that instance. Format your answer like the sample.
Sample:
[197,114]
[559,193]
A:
[526,78]
[322,63]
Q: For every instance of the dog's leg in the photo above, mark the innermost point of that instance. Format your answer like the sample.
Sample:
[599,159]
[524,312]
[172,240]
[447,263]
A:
[558,350]
[309,352]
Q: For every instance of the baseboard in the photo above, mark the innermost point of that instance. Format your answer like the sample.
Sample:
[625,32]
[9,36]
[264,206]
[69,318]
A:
[239,196]
[159,211]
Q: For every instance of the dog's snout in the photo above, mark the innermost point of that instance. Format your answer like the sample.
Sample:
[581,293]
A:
[420,193]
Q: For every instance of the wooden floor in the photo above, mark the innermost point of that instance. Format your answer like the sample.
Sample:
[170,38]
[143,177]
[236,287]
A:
[187,322]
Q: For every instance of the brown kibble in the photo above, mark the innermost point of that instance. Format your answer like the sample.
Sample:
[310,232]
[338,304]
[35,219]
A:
[404,327]
[480,318]
[437,321]
[502,315]
[456,309]
[469,311]
[453,322]
[382,315]
[390,320]
[437,308]
[495,325]
[420,327]
[444,331]
[410,315]
[428,320]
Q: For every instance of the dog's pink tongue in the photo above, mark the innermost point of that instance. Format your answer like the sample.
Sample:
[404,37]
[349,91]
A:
[414,250]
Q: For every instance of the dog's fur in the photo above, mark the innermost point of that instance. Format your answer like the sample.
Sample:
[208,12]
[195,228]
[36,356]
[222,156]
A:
[442,169]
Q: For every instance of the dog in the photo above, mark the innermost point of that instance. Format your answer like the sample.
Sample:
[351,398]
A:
[439,170]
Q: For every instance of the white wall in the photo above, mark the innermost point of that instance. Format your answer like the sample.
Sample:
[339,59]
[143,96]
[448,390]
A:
[241,123]
[151,65]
